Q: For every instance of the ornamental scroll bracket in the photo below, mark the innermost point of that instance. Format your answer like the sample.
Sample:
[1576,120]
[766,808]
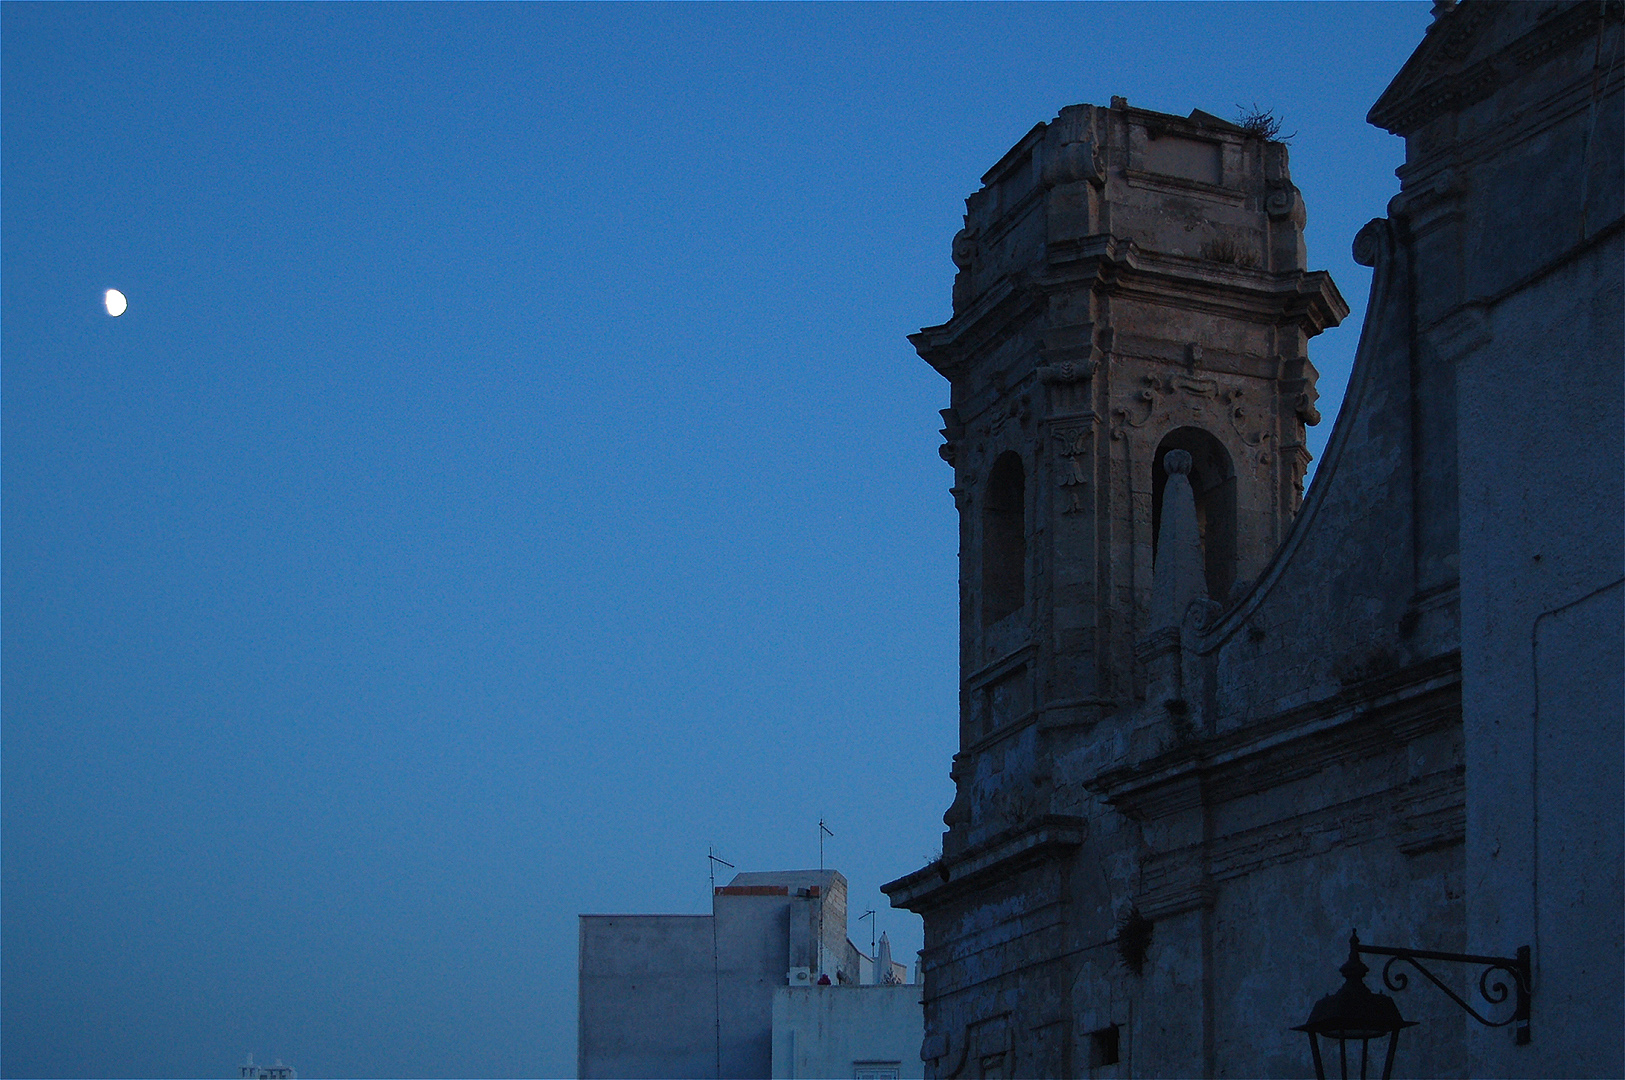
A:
[1242,422]
[953,430]
[1193,382]
[1146,398]
[1198,385]
[1492,981]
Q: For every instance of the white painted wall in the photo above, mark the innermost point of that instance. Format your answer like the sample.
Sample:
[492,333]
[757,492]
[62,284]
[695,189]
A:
[845,1031]
[646,997]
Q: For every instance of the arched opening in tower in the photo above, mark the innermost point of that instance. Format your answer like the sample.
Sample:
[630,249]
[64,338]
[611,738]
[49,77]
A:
[1004,539]
[1213,481]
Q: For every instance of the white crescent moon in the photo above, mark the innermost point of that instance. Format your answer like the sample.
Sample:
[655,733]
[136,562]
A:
[115,303]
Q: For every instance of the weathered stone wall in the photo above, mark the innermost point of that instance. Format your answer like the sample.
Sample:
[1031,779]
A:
[1170,808]
[1542,657]
[1130,283]
[1513,189]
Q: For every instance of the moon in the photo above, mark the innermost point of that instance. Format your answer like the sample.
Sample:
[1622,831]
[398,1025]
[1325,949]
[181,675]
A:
[115,303]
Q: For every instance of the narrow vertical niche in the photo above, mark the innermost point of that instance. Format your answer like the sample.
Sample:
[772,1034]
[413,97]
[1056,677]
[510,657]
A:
[1213,482]
[1004,539]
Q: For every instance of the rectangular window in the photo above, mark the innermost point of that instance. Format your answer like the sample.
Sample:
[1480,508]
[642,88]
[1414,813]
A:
[876,1070]
[1103,1047]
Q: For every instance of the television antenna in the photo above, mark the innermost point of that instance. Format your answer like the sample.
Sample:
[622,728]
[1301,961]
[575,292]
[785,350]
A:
[712,858]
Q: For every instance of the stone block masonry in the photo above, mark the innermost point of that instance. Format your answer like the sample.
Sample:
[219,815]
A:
[1206,726]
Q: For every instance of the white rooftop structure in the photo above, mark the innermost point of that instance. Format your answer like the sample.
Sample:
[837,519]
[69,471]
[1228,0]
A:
[768,984]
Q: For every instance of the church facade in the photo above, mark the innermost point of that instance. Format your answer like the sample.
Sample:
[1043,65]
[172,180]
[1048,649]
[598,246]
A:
[1206,725]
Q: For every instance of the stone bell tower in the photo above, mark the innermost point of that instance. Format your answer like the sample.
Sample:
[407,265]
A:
[1129,283]
[1131,294]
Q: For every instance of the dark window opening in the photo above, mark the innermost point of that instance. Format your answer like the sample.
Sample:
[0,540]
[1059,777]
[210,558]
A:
[1004,539]
[1103,1047]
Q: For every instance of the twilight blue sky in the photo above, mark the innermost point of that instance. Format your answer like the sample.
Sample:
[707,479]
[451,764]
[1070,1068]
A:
[510,478]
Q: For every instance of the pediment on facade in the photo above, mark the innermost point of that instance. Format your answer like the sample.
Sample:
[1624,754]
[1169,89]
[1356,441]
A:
[1363,466]
[1474,49]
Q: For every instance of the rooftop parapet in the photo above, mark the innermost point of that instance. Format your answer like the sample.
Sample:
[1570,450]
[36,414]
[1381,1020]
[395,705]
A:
[1194,187]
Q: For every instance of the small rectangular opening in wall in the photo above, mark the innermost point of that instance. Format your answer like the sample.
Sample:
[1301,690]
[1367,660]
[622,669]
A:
[1103,1047]
[876,1070]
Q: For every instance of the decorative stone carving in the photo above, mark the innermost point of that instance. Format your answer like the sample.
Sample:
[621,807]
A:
[964,256]
[1194,384]
[1179,578]
[1074,444]
[1147,398]
[1069,384]
[1070,474]
[964,249]
[1371,241]
[1110,324]
[953,430]
[1303,406]
[1016,414]
[1250,435]
[1067,372]
[1074,161]
[958,812]
[1283,202]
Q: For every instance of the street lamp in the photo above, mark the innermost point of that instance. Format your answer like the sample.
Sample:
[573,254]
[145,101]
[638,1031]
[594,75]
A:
[1355,1012]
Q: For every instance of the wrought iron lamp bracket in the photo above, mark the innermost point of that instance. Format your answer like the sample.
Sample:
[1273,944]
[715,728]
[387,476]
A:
[1494,991]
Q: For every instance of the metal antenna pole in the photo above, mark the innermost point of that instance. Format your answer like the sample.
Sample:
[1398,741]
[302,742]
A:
[873,948]
[716,973]
[823,830]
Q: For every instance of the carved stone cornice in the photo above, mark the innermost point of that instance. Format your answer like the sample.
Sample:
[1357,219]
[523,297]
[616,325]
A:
[1355,723]
[997,857]
[1016,157]
[953,346]
[1002,665]
[1421,814]
[1309,298]
[1436,79]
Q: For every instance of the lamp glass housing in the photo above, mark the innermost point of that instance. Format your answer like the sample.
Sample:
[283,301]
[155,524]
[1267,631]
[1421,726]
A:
[1354,1014]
